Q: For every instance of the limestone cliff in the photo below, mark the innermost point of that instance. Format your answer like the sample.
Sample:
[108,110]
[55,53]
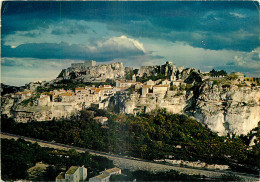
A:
[51,111]
[223,108]
[89,73]
[134,103]
[168,69]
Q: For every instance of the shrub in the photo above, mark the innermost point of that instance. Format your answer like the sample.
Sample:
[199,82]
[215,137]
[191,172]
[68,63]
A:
[173,87]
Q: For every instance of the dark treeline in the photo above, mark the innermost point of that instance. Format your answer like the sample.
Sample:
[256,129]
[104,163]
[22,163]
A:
[156,135]
[72,84]
[218,73]
[18,156]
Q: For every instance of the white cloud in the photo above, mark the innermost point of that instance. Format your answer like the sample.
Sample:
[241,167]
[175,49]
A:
[121,43]
[183,54]
[245,62]
[239,15]
[249,60]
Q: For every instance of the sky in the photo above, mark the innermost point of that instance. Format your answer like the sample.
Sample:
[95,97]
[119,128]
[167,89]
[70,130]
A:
[39,39]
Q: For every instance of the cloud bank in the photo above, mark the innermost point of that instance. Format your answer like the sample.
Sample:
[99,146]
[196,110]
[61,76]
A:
[113,48]
[200,34]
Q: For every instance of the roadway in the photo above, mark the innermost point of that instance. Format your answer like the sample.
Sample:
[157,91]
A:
[136,163]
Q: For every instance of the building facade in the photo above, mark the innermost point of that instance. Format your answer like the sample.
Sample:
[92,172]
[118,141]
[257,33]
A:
[74,174]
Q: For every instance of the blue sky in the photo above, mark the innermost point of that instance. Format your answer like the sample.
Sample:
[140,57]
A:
[38,39]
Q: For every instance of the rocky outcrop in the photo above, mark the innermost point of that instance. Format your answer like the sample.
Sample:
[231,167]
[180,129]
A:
[6,105]
[197,164]
[54,110]
[226,109]
[167,69]
[222,108]
[99,73]
[172,101]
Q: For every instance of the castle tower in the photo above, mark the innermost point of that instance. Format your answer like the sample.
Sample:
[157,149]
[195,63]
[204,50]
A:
[134,78]
[90,63]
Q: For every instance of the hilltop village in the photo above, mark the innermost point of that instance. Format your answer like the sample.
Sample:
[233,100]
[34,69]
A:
[213,98]
[58,103]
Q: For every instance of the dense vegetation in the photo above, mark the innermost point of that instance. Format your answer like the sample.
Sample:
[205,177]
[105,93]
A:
[7,89]
[145,78]
[72,84]
[150,136]
[213,72]
[31,100]
[18,156]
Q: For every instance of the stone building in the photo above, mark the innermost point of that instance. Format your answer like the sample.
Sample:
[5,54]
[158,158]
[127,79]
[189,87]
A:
[177,83]
[74,174]
[160,89]
[26,94]
[43,100]
[81,90]
[126,84]
[81,94]
[85,64]
[111,171]
[166,82]
[145,90]
[150,82]
[105,175]
[134,78]
[67,97]
[100,178]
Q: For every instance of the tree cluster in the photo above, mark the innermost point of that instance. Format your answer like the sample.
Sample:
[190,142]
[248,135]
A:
[213,72]
[18,156]
[156,135]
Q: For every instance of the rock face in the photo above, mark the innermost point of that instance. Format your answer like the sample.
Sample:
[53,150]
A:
[7,104]
[134,103]
[226,109]
[51,111]
[88,72]
[168,69]
[197,164]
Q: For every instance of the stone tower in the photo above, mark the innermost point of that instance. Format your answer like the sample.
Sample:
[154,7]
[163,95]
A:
[134,78]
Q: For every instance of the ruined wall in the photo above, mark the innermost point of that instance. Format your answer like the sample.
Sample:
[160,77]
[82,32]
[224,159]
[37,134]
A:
[98,73]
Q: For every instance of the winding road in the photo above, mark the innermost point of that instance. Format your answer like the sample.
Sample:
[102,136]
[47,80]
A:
[125,162]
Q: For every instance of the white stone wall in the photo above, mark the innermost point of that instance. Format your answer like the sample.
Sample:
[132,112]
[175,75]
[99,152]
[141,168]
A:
[162,90]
